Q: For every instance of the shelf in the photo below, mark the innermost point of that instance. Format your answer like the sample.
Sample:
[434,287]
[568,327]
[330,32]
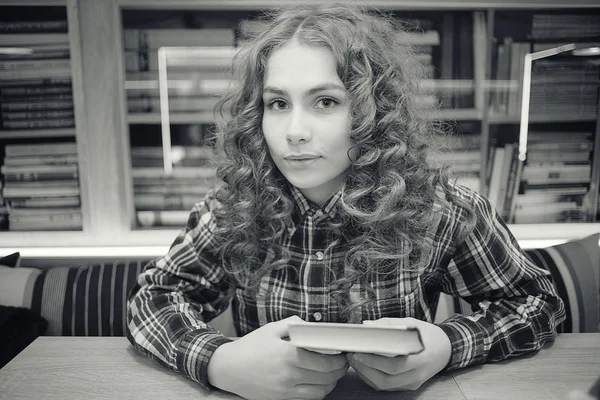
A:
[511,119]
[38,133]
[154,243]
[459,115]
[175,118]
[383,4]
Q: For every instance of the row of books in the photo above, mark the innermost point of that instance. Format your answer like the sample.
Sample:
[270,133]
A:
[558,84]
[195,79]
[165,200]
[41,187]
[461,153]
[550,186]
[35,85]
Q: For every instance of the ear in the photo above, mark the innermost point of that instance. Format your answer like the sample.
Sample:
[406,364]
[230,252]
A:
[12,260]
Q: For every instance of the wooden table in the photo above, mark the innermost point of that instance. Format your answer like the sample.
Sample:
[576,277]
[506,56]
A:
[109,368]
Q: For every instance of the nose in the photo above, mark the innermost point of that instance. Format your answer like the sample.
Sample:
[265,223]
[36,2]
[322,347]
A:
[298,130]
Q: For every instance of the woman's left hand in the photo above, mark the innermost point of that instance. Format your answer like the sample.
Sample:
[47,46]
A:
[404,372]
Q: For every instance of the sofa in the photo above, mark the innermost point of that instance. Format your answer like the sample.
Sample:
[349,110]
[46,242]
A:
[90,299]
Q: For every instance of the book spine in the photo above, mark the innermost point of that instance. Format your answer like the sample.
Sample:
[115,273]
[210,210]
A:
[17,150]
[58,114]
[33,26]
[38,176]
[34,64]
[38,124]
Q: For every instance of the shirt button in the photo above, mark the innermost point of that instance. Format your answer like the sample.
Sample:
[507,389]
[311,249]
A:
[317,316]
[319,255]
[319,213]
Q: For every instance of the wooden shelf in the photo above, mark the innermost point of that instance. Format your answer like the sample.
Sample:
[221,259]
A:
[459,115]
[174,118]
[526,234]
[37,133]
[511,119]
[384,4]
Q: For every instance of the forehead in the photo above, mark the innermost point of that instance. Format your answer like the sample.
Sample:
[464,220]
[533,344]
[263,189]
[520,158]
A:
[300,65]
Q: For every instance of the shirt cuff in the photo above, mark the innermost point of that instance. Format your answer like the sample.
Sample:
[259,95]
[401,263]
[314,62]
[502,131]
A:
[194,351]
[467,341]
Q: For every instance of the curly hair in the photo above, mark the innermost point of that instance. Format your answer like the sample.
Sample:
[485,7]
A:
[387,200]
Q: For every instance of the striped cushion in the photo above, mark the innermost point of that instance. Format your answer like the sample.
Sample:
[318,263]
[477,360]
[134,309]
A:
[575,268]
[85,301]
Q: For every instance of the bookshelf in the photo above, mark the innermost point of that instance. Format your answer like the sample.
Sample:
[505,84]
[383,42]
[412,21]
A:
[107,127]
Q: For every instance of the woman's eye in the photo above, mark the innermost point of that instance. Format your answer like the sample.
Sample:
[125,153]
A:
[326,102]
[278,105]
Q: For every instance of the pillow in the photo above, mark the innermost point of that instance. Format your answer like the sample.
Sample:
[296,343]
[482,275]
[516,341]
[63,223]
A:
[89,300]
[16,286]
[12,260]
[575,268]
[19,327]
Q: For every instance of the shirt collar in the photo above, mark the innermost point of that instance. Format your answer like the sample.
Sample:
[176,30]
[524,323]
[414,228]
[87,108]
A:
[304,206]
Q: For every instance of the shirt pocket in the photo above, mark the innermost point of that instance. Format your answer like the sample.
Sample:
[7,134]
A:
[407,305]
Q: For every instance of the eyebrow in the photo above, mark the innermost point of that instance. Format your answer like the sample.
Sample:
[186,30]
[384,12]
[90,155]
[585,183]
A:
[309,92]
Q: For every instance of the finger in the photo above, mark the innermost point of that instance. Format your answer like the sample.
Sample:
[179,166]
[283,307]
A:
[311,391]
[281,328]
[320,362]
[382,381]
[389,365]
[321,378]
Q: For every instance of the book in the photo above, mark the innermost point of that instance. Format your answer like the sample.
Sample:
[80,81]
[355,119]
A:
[162,218]
[389,340]
[496,177]
[44,202]
[34,64]
[33,26]
[38,124]
[141,39]
[18,150]
[41,159]
[29,39]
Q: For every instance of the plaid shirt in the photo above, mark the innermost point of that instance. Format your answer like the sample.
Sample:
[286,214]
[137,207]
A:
[516,308]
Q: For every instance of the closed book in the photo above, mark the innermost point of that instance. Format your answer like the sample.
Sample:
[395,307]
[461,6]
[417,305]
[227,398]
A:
[183,172]
[33,26]
[38,176]
[52,115]
[34,64]
[31,73]
[152,104]
[43,105]
[327,337]
[45,202]
[38,124]
[27,91]
[162,218]
[41,159]
[152,201]
[28,39]
[40,149]
[51,81]
[156,38]
[38,55]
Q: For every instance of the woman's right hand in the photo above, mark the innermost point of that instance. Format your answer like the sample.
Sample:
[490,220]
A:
[263,366]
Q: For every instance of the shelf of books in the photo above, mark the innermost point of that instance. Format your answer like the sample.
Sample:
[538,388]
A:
[558,181]
[40,176]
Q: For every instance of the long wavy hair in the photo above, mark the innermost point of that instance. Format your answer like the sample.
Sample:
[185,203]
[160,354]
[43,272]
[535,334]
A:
[388,196]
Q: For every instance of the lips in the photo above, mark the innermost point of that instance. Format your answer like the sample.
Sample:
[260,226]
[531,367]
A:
[302,157]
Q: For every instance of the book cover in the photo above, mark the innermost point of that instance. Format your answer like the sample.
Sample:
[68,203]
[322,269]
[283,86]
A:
[390,340]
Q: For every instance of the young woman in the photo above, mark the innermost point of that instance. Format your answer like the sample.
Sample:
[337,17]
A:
[328,211]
